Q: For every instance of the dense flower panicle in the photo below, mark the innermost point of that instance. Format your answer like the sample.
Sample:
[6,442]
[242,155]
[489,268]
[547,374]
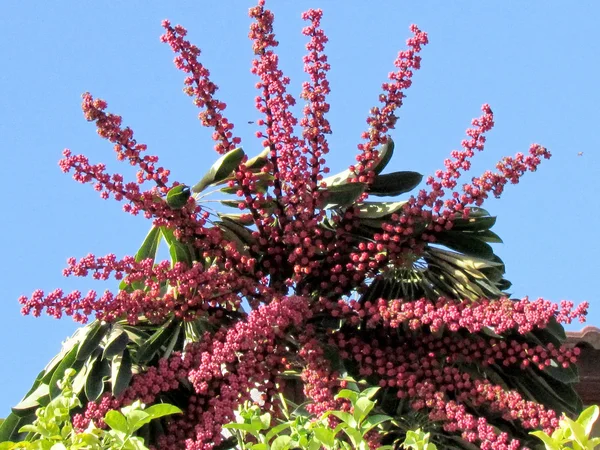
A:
[222,369]
[109,127]
[382,119]
[199,86]
[296,271]
[501,315]
[157,291]
[304,201]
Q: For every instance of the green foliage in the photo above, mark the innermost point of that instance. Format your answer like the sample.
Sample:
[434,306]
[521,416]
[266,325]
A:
[52,429]
[418,440]
[300,431]
[573,434]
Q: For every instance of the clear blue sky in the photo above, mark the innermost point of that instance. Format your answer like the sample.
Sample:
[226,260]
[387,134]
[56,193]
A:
[535,62]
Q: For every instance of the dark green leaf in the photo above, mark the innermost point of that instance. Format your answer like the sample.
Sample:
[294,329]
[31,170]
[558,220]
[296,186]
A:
[342,194]
[262,181]
[474,223]
[567,375]
[259,161]
[240,219]
[69,361]
[475,211]
[179,251]
[120,373]
[461,242]
[94,384]
[239,229]
[116,343]
[489,236]
[80,378]
[395,183]
[503,285]
[376,210]
[386,151]
[385,154]
[29,404]
[172,342]
[220,169]
[10,427]
[556,329]
[50,368]
[92,339]
[147,351]
[147,250]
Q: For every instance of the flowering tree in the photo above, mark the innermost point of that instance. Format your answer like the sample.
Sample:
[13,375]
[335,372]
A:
[308,281]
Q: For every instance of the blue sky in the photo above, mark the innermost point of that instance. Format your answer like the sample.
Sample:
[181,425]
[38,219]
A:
[534,62]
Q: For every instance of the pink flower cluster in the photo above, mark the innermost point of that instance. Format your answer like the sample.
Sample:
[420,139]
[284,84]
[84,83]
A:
[383,119]
[501,315]
[190,292]
[222,368]
[198,85]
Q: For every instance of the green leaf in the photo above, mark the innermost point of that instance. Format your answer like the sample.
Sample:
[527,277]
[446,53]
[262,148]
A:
[274,431]
[172,342]
[94,383]
[220,169]
[587,418]
[281,443]
[577,431]
[362,408]
[149,348]
[556,329]
[68,345]
[81,377]
[161,410]
[178,196]
[376,210]
[147,250]
[92,339]
[259,161]
[120,373]
[30,403]
[395,183]
[385,154]
[342,195]
[474,223]
[370,392]
[10,426]
[567,375]
[489,236]
[116,343]
[386,151]
[325,436]
[343,416]
[179,251]
[116,421]
[136,419]
[243,219]
[372,421]
[349,394]
[463,243]
[69,361]
[265,420]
